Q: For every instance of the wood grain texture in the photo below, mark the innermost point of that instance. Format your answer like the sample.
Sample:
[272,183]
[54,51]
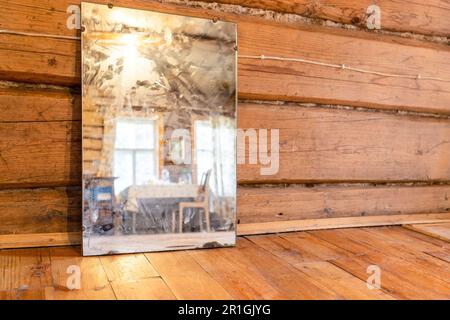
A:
[420,241]
[29,214]
[94,282]
[370,239]
[40,153]
[127,267]
[277,203]
[430,17]
[311,256]
[353,145]
[143,289]
[24,270]
[443,255]
[301,82]
[437,230]
[316,145]
[333,223]
[41,210]
[299,247]
[42,144]
[323,145]
[285,281]
[74,238]
[51,60]
[237,276]
[400,278]
[39,126]
[40,60]
[29,240]
[342,282]
[394,269]
[186,277]
[301,265]
[22,104]
[33,294]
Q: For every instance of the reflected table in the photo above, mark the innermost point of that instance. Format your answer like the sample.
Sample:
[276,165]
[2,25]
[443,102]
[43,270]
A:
[156,200]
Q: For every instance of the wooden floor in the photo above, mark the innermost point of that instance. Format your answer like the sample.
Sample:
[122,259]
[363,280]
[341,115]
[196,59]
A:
[326,264]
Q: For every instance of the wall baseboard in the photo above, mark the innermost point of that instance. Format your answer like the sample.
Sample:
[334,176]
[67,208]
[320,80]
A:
[333,223]
[14,241]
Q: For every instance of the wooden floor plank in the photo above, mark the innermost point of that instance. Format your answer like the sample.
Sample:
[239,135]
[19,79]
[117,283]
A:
[402,250]
[339,239]
[443,254]
[399,279]
[326,264]
[309,254]
[105,293]
[287,281]
[404,242]
[185,277]
[94,282]
[404,279]
[342,282]
[239,277]
[143,289]
[129,267]
[34,294]
[304,242]
[299,247]
[439,230]
[25,270]
[413,239]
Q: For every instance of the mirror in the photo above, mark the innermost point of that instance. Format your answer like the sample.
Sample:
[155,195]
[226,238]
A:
[159,131]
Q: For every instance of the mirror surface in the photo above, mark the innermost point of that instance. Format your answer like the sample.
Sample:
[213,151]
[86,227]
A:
[159,131]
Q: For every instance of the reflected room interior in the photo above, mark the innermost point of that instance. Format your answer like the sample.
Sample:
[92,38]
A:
[159,119]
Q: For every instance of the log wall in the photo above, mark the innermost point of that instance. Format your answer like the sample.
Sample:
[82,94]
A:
[355,148]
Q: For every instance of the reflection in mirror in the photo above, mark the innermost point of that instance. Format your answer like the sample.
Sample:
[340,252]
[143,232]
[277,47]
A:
[159,121]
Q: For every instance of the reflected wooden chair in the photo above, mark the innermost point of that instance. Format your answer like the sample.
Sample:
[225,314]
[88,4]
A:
[202,202]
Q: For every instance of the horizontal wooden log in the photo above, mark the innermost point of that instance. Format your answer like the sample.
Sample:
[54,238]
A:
[41,137]
[41,210]
[427,17]
[322,145]
[12,241]
[24,104]
[334,223]
[51,60]
[40,153]
[291,81]
[269,204]
[51,216]
[40,60]
[53,210]
[422,17]
[316,144]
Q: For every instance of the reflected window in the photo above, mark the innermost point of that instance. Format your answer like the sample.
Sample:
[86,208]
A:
[135,154]
[214,149]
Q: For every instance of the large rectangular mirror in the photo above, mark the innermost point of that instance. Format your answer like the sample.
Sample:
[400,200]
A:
[159,131]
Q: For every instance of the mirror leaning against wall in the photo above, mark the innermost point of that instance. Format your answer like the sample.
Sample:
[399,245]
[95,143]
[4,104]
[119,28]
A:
[159,131]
